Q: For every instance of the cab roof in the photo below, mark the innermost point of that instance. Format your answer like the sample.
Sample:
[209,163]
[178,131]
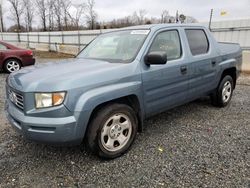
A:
[160,26]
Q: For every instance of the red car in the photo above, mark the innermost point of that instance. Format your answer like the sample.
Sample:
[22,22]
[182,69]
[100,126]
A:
[13,58]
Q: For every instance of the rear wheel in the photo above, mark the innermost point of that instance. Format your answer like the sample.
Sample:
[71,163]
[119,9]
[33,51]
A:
[112,130]
[12,65]
[222,96]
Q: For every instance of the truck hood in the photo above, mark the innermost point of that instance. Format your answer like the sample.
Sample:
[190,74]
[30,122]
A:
[65,75]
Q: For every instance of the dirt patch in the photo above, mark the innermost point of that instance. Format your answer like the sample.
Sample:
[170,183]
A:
[51,55]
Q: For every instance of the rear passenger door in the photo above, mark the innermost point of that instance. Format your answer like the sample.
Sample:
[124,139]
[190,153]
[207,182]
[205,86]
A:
[204,62]
[165,86]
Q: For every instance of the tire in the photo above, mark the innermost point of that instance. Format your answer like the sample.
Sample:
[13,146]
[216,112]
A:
[12,65]
[112,130]
[223,94]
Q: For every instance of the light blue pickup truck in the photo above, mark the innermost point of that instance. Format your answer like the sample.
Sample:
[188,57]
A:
[121,78]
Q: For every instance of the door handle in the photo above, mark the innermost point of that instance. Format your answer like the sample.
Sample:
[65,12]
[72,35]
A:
[183,69]
[213,63]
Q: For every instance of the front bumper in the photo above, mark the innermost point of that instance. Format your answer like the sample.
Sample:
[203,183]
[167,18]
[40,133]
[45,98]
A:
[57,131]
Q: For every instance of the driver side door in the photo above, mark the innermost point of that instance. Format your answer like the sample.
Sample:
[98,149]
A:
[166,86]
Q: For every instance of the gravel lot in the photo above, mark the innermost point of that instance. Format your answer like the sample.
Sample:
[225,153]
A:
[195,145]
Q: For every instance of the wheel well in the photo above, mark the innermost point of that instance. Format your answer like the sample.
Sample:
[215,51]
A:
[130,100]
[231,72]
[12,58]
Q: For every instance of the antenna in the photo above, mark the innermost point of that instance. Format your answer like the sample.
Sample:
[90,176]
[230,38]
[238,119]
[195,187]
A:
[210,20]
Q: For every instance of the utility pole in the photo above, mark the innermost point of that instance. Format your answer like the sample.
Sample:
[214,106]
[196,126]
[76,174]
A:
[1,16]
[1,19]
[177,17]
[210,20]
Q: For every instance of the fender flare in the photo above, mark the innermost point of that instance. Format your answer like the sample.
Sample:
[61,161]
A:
[88,101]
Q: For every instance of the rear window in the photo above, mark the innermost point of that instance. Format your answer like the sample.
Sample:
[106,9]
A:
[198,41]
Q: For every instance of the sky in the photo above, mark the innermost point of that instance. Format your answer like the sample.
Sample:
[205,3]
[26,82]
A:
[199,9]
[107,10]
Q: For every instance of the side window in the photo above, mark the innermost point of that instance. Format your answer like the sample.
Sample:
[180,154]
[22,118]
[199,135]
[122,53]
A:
[198,41]
[2,47]
[169,42]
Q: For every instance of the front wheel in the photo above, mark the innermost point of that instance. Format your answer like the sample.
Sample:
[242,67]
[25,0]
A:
[112,130]
[12,65]
[224,92]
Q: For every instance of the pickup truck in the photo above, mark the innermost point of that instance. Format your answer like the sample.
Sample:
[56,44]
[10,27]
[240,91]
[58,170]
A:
[102,97]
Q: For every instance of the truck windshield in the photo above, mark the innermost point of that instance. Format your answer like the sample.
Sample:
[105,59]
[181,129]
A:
[116,47]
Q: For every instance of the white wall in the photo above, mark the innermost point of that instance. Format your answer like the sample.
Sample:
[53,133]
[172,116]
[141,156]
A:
[61,41]
[237,31]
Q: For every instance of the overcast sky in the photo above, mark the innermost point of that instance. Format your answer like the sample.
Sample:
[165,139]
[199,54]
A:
[199,9]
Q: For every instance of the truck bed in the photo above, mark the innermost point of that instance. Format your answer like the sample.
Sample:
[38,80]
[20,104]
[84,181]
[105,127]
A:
[227,48]
[231,51]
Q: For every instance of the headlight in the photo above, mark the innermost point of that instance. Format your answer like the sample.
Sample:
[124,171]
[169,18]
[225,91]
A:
[44,100]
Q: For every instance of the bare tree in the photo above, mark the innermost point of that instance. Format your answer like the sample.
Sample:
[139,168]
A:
[90,14]
[50,8]
[66,4]
[135,18]
[16,12]
[76,17]
[1,17]
[139,18]
[28,13]
[58,10]
[42,11]
[165,16]
[142,14]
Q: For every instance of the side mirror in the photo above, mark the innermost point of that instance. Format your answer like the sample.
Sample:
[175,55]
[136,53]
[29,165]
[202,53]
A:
[156,58]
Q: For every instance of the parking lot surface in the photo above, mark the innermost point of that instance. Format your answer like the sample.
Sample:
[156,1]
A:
[195,145]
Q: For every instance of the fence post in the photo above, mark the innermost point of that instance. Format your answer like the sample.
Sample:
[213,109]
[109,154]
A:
[79,41]
[28,39]
[18,36]
[62,38]
[49,41]
[38,37]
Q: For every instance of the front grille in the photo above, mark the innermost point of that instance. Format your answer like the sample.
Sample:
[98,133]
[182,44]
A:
[16,98]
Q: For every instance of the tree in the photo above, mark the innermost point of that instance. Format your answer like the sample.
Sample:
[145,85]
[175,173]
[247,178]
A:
[91,15]
[135,18]
[79,10]
[139,18]
[66,4]
[58,10]
[42,11]
[14,28]
[1,17]
[28,13]
[142,14]
[50,8]
[16,12]
[165,16]
[182,18]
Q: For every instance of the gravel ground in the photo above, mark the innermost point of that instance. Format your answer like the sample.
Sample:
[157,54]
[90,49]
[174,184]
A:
[195,145]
